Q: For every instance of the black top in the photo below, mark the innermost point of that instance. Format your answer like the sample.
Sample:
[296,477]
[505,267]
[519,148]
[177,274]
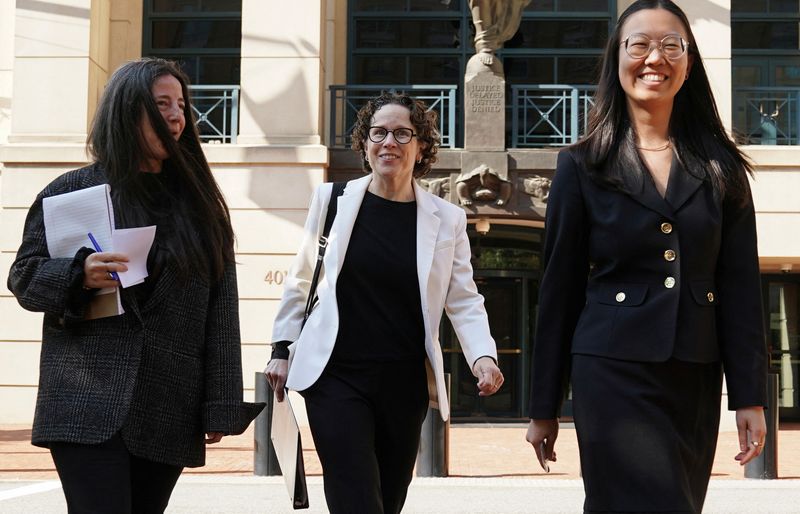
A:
[380,313]
[157,204]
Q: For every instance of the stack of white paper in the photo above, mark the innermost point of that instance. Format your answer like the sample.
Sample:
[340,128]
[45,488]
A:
[68,220]
[135,243]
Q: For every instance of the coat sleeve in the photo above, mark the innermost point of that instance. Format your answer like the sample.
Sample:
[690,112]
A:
[464,305]
[223,409]
[43,284]
[289,319]
[562,292]
[740,321]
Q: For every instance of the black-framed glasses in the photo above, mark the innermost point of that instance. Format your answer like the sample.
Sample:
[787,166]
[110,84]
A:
[640,45]
[401,135]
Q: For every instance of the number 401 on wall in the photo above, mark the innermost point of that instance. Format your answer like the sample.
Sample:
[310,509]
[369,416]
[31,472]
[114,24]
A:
[275,277]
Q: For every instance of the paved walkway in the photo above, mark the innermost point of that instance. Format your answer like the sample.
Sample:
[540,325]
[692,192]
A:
[475,451]
[244,495]
[492,471]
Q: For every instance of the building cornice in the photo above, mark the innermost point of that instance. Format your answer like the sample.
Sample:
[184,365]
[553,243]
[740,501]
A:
[73,153]
[770,156]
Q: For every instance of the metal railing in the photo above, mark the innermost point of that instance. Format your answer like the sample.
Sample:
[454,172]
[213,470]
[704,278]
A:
[217,111]
[549,114]
[766,115]
[347,100]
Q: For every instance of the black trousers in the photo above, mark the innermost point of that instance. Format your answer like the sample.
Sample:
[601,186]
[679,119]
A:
[106,478]
[366,419]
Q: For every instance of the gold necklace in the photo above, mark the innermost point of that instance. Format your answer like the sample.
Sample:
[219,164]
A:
[665,146]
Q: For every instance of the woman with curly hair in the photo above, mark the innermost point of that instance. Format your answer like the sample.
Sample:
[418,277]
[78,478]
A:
[397,256]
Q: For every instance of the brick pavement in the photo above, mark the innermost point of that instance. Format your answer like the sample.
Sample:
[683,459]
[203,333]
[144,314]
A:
[475,451]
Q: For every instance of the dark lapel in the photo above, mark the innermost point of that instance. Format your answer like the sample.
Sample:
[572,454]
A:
[130,304]
[682,184]
[167,280]
[647,194]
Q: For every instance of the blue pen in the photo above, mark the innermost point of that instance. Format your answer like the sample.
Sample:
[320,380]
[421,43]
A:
[97,247]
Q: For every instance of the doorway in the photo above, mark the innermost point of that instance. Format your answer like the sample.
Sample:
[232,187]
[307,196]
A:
[506,264]
[508,304]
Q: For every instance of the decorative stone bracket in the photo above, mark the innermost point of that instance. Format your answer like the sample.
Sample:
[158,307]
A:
[538,187]
[483,184]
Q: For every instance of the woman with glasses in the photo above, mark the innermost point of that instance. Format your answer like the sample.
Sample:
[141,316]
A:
[369,353]
[651,280]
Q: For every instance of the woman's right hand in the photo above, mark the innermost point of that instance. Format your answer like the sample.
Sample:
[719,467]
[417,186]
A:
[276,371]
[543,431]
[97,269]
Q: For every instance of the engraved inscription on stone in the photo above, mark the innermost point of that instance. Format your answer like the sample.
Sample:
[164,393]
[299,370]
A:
[485,97]
[484,113]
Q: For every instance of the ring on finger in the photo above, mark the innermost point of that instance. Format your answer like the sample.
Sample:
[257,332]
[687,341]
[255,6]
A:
[110,276]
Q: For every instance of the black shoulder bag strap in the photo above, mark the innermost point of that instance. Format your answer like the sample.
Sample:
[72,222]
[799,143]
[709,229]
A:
[336,192]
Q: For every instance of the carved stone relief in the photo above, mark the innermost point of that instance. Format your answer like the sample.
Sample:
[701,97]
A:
[538,187]
[482,184]
[436,186]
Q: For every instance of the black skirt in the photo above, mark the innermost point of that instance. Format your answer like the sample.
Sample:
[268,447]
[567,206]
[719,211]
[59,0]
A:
[647,432]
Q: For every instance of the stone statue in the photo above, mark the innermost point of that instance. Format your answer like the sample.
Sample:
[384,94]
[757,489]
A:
[538,187]
[483,184]
[496,21]
[436,186]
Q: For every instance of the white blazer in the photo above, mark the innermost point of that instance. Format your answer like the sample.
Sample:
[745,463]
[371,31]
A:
[445,283]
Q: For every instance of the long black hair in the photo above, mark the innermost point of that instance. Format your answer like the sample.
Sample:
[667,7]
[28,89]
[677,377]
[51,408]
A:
[202,238]
[609,148]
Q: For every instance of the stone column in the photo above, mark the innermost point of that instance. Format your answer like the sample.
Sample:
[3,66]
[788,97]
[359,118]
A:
[282,72]
[711,24]
[6,65]
[125,33]
[60,67]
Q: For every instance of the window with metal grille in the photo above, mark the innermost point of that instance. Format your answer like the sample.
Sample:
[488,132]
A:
[405,42]
[765,50]
[205,37]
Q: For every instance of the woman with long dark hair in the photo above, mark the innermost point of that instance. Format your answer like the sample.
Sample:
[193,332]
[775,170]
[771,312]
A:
[124,401]
[651,280]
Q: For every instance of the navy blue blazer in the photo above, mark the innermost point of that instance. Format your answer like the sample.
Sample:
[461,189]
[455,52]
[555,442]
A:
[646,278]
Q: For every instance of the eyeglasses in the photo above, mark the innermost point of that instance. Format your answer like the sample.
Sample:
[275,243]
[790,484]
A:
[639,46]
[401,135]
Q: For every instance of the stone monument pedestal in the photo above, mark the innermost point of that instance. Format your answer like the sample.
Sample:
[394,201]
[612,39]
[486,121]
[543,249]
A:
[484,106]
[484,163]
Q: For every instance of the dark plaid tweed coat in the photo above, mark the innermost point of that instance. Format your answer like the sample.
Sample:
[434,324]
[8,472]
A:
[162,374]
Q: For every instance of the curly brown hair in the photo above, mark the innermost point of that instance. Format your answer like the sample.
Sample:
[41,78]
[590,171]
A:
[425,124]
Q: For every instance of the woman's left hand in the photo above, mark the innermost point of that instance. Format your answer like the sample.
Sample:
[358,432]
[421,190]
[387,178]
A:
[489,376]
[213,437]
[752,429]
